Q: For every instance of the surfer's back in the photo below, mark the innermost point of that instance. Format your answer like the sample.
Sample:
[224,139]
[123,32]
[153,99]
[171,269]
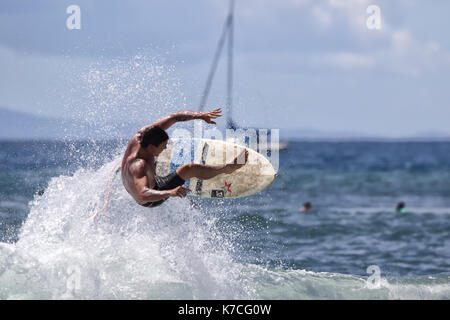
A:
[130,159]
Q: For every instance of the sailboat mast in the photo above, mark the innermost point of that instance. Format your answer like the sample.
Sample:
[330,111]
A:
[229,104]
[214,64]
[227,35]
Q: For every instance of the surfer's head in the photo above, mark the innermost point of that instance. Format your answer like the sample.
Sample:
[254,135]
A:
[400,206]
[155,138]
[306,207]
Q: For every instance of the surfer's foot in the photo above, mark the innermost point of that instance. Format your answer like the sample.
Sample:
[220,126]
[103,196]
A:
[237,163]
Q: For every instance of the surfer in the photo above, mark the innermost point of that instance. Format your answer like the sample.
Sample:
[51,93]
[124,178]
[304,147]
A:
[138,164]
[306,207]
[401,207]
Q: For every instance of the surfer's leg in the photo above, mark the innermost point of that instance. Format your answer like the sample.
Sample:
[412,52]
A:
[200,171]
[205,172]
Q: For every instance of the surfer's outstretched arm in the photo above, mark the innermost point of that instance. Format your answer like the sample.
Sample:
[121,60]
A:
[186,115]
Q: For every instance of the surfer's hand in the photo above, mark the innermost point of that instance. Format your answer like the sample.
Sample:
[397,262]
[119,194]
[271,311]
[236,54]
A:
[207,116]
[180,191]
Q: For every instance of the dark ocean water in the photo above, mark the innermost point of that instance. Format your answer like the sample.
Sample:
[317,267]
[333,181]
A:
[263,243]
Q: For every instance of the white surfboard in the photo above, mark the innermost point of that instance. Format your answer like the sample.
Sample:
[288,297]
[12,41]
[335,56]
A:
[252,178]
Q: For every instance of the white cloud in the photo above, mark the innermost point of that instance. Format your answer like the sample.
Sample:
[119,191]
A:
[345,60]
[401,41]
[322,16]
[395,50]
[391,49]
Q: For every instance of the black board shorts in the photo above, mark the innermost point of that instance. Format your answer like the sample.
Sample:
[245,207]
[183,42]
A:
[168,182]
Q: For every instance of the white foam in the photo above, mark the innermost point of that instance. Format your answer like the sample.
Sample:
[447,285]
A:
[169,252]
[128,252]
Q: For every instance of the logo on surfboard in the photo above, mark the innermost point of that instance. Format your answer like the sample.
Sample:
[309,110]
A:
[228,186]
[217,193]
[221,192]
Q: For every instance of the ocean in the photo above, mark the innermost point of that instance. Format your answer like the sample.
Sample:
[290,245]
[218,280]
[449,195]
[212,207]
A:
[351,244]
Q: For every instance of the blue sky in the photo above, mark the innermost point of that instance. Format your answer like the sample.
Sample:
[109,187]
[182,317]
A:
[306,64]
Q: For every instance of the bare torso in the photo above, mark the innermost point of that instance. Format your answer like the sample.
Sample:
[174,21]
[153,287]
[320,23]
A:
[130,162]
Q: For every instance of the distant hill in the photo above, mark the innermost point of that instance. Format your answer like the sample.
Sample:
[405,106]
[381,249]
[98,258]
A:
[314,135]
[20,125]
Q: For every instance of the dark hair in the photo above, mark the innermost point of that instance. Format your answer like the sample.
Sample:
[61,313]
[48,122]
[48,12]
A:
[154,136]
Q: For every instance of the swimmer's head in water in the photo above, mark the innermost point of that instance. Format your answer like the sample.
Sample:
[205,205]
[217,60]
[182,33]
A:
[400,206]
[306,207]
[154,136]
